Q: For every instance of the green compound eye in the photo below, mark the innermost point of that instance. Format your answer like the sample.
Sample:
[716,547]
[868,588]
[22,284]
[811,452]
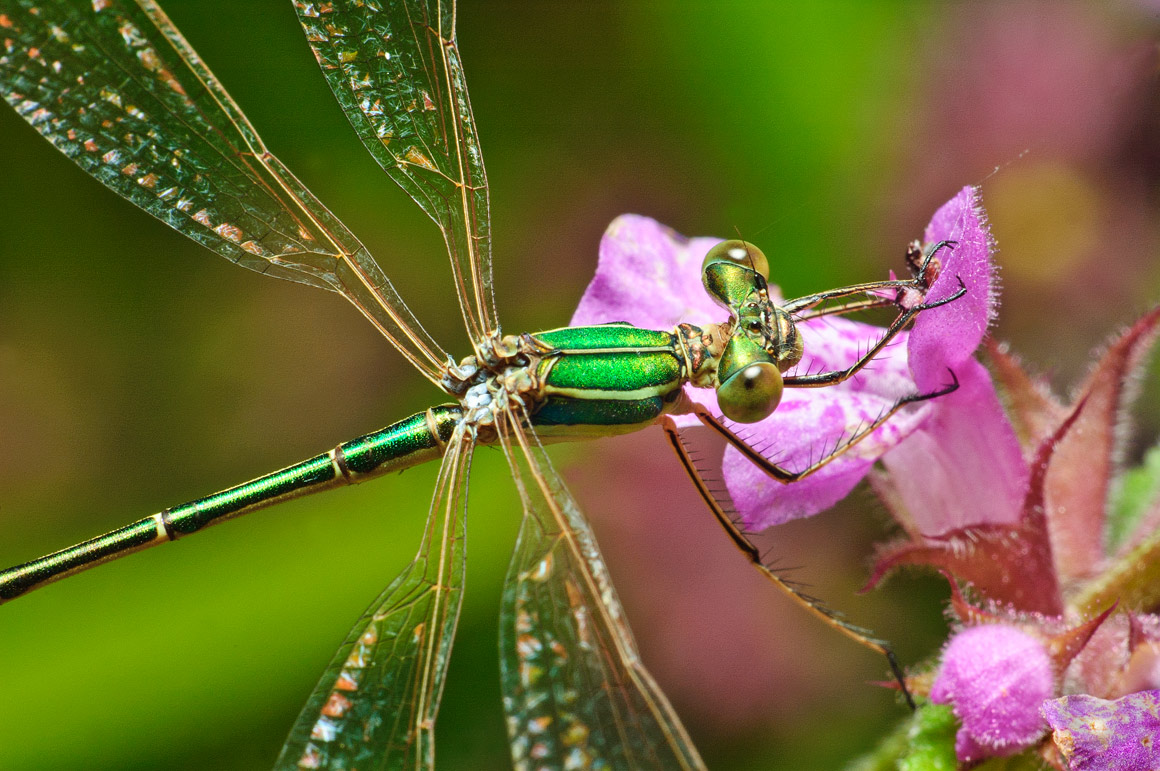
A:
[751,394]
[740,253]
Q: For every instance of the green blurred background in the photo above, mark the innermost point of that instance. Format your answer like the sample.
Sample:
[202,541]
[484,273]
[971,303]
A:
[138,370]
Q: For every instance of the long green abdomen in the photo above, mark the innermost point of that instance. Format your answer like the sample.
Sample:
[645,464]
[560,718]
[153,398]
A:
[407,443]
[607,379]
[400,445]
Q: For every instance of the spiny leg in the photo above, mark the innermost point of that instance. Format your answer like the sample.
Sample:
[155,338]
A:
[786,476]
[811,605]
[833,377]
[807,311]
[805,303]
[921,281]
[854,306]
[858,634]
[924,273]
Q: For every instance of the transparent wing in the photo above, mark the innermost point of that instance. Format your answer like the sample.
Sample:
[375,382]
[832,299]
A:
[115,87]
[394,67]
[375,706]
[575,691]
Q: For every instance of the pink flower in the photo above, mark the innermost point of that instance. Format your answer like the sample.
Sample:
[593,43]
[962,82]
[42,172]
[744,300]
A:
[649,276]
[995,676]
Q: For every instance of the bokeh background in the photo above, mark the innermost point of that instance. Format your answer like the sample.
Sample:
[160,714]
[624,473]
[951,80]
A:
[138,370]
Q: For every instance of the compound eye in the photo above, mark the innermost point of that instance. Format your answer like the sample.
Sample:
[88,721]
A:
[740,253]
[751,394]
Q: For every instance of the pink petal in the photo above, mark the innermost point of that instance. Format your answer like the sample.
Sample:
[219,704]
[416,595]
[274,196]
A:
[996,677]
[949,335]
[963,467]
[649,276]
[831,343]
[809,422]
[804,428]
[964,431]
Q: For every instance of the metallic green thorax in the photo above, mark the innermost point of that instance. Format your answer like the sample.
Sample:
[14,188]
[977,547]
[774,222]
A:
[607,379]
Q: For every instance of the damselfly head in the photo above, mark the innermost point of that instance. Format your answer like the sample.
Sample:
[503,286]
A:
[735,274]
[763,343]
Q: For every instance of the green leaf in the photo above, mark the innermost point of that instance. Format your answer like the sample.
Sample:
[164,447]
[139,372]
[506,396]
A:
[932,740]
[925,742]
[1136,491]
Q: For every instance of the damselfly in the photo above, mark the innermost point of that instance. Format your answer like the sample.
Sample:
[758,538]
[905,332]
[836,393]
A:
[114,86]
